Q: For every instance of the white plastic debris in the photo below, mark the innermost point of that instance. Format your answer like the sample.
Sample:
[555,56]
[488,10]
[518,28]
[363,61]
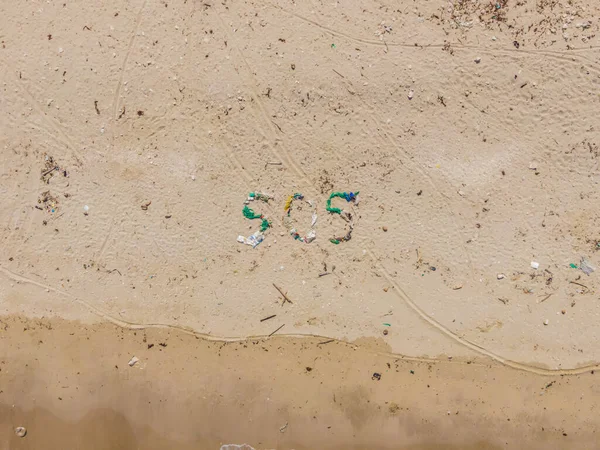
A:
[311,236]
[86,208]
[133,361]
[500,276]
[586,267]
[411,94]
[478,60]
[255,239]
[546,322]
[21,431]
[314,219]
[241,239]
[535,265]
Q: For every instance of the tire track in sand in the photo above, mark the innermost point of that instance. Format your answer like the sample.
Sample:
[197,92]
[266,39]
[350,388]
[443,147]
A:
[263,110]
[140,326]
[559,55]
[61,137]
[116,101]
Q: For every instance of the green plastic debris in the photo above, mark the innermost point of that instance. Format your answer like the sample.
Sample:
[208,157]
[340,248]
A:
[334,241]
[349,197]
[250,214]
[573,266]
[332,45]
[387,324]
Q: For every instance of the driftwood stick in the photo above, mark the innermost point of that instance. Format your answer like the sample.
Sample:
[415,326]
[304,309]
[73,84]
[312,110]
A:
[285,297]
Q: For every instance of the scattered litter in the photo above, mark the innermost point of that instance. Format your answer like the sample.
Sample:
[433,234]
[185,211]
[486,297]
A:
[387,324]
[586,267]
[456,287]
[412,372]
[86,209]
[133,361]
[283,428]
[477,60]
[384,228]
[535,265]
[546,322]
[411,94]
[573,266]
[145,205]
[500,276]
[50,166]
[21,431]
[241,239]
[383,29]
[385,332]
[376,376]
[48,202]
[532,165]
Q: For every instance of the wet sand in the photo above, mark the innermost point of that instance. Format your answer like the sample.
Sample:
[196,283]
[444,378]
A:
[71,386]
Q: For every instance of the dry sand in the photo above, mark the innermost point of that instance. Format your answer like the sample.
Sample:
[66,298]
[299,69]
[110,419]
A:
[470,130]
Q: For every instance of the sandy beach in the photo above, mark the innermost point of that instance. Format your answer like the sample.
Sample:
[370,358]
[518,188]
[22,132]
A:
[139,140]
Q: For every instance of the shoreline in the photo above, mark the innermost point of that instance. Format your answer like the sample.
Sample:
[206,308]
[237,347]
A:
[186,392]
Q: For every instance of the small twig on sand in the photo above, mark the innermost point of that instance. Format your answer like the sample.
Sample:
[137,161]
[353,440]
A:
[324,273]
[267,318]
[285,297]
[545,298]
[338,73]
[326,342]
[115,270]
[278,127]
[49,170]
[277,330]
[579,284]
[273,164]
